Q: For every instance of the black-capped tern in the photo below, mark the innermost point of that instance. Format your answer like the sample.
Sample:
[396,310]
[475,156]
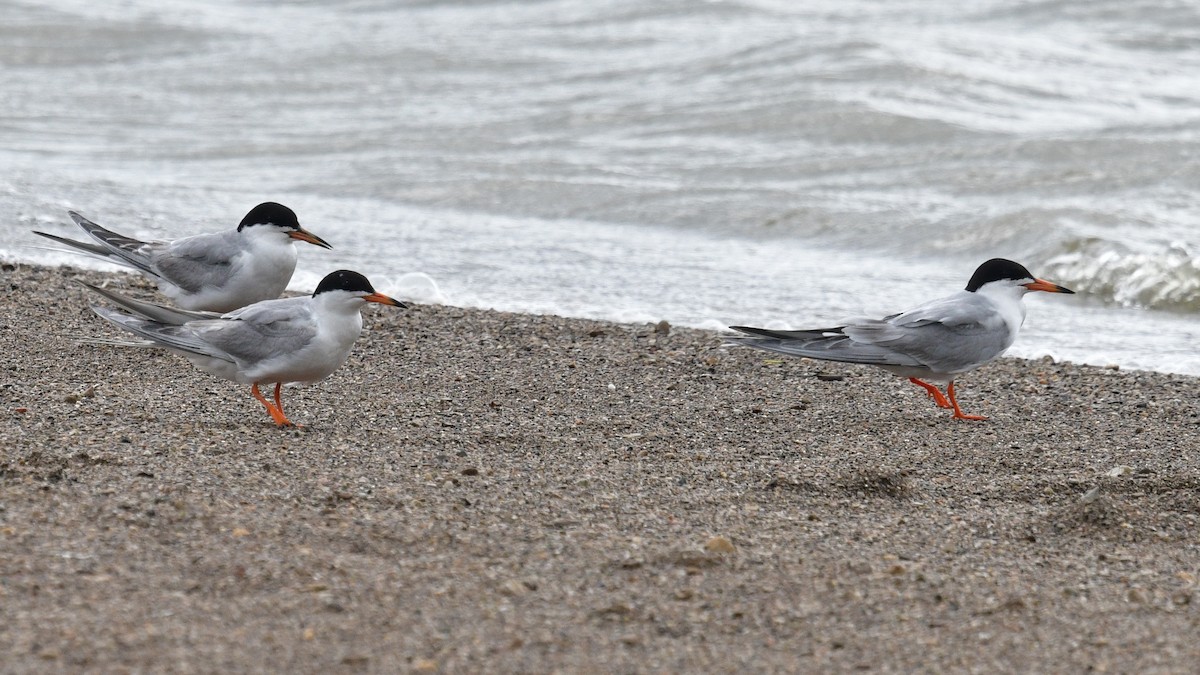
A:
[216,272]
[933,342]
[301,339]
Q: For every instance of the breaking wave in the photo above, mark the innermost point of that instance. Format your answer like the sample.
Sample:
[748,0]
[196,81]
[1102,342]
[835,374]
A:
[1164,279]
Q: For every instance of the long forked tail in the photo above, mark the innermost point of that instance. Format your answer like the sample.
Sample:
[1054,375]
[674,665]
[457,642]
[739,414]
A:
[812,333]
[92,250]
[827,344]
[161,313]
[110,246]
[174,337]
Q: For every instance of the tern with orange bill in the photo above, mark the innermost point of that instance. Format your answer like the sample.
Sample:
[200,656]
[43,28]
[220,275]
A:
[301,339]
[217,272]
[932,343]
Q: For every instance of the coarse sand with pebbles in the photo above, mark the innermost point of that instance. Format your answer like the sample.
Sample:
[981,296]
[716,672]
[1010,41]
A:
[478,491]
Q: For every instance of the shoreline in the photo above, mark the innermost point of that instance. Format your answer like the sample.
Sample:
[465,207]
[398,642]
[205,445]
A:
[479,490]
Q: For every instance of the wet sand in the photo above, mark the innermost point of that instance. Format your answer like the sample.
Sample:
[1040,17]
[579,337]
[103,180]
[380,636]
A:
[480,491]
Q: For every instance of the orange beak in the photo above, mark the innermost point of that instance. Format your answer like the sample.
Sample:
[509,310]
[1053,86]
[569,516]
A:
[384,300]
[1043,285]
[304,235]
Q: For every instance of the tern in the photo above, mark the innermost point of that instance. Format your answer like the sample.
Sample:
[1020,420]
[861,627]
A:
[300,339]
[933,342]
[217,272]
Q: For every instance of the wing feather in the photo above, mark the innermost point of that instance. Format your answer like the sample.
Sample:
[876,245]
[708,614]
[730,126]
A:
[127,250]
[180,338]
[198,262]
[829,348]
[150,310]
[261,331]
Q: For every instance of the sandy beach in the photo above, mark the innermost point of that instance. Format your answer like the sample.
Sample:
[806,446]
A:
[479,491]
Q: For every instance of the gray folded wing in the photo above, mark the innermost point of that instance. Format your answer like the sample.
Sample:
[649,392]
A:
[261,331]
[948,335]
[198,262]
[940,346]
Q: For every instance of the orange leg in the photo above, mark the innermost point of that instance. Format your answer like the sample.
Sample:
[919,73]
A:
[933,391]
[279,402]
[958,413]
[276,413]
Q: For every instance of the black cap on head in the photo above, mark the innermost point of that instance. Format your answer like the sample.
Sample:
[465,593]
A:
[997,269]
[344,280]
[271,213]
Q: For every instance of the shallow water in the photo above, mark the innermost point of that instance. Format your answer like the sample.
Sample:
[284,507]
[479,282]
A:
[706,163]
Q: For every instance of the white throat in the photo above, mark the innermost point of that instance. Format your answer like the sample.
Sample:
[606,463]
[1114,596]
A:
[1007,295]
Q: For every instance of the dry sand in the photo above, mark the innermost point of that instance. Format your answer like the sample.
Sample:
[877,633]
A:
[481,491]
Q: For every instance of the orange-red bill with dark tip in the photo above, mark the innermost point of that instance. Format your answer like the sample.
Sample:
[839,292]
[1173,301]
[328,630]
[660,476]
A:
[384,300]
[304,235]
[1043,285]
